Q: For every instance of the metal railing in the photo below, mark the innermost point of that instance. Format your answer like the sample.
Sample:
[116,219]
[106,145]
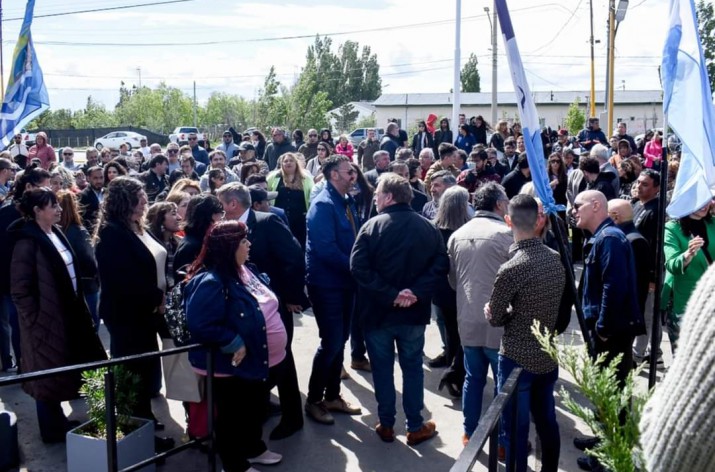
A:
[109,399]
[489,429]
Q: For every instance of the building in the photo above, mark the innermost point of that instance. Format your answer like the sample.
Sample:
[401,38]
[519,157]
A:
[640,109]
[364,109]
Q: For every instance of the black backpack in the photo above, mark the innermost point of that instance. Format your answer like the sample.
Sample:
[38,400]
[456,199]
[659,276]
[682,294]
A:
[175,314]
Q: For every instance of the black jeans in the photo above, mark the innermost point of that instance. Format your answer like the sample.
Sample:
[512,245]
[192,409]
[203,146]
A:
[239,421]
[284,376]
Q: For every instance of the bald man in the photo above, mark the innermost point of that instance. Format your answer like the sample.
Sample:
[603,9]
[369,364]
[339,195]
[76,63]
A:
[610,297]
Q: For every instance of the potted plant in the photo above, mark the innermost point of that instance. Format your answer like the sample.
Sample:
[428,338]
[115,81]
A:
[87,444]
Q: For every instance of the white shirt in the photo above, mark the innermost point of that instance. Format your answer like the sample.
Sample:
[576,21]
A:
[66,256]
[145,151]
[160,254]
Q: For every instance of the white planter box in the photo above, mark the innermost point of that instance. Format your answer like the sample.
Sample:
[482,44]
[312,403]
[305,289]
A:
[88,454]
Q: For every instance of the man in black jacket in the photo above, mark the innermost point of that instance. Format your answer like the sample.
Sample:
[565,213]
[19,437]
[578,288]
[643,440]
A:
[396,276]
[155,179]
[277,148]
[276,252]
[91,197]
[514,180]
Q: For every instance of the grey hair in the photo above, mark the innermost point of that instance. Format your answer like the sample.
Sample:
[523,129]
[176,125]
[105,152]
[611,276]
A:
[380,153]
[235,191]
[452,211]
[427,151]
[488,195]
[600,152]
[446,176]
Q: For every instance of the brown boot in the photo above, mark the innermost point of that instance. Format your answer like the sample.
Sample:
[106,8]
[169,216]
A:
[386,434]
[427,431]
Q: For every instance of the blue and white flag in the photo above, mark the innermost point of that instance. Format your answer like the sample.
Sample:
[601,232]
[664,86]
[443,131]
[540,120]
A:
[527,111]
[26,95]
[687,103]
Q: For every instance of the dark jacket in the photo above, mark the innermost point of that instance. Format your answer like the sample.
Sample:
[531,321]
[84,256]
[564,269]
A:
[587,138]
[513,181]
[179,174]
[130,295]
[224,314]
[277,253]
[643,260]
[309,150]
[153,184]
[610,295]
[390,144]
[365,151]
[604,184]
[200,155]
[330,239]
[8,214]
[85,263]
[89,208]
[56,327]
[187,251]
[440,137]
[419,200]
[274,151]
[417,143]
[384,262]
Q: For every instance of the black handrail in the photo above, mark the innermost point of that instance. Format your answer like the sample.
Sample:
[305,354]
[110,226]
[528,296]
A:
[109,398]
[489,429]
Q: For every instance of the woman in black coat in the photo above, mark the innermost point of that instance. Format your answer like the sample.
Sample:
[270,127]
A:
[55,325]
[131,266]
[202,211]
[442,135]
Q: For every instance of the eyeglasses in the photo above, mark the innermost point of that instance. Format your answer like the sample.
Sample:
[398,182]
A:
[68,154]
[193,139]
[577,206]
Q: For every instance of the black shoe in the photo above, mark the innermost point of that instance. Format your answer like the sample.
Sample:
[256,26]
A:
[585,443]
[273,409]
[590,463]
[163,444]
[158,426]
[284,430]
[452,388]
[439,361]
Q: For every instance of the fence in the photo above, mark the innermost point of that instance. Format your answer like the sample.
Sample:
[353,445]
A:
[489,429]
[109,399]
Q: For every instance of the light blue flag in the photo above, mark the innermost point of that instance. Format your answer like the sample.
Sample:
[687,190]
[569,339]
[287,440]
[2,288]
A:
[687,102]
[26,95]
[527,111]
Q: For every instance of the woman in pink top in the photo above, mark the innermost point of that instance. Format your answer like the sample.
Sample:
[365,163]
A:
[344,147]
[42,151]
[653,151]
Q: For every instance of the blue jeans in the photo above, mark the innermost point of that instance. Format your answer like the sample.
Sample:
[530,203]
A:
[535,394]
[410,341]
[477,361]
[333,310]
[9,310]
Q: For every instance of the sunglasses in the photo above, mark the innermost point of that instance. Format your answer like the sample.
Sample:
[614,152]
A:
[312,135]
[193,139]
[172,151]
[68,154]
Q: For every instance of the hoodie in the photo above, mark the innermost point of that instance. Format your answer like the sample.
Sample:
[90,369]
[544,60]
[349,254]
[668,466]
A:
[43,151]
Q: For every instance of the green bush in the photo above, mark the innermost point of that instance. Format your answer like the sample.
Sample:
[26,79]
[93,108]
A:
[93,391]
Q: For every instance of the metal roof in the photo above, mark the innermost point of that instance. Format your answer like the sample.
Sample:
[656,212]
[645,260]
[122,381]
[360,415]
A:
[508,98]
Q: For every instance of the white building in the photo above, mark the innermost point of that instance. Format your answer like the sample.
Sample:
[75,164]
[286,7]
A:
[364,109]
[639,109]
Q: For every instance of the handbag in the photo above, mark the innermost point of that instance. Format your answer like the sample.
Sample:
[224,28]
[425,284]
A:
[181,382]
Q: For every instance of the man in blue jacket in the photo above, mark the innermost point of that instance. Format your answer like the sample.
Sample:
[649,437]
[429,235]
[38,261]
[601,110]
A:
[332,224]
[610,296]
[397,261]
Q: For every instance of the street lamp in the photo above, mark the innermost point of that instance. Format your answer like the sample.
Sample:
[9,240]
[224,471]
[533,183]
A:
[616,14]
[493,28]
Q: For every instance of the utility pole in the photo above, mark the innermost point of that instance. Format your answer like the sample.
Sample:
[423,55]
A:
[493,27]
[139,71]
[2,73]
[195,120]
[457,68]
[593,69]
[611,48]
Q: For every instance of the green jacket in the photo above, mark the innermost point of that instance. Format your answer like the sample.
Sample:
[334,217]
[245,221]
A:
[273,179]
[680,281]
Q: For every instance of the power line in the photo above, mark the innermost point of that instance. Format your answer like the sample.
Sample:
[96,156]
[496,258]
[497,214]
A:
[94,10]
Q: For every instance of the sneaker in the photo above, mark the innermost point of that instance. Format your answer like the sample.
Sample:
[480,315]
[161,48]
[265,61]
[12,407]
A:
[427,431]
[340,405]
[585,443]
[386,433]
[267,458]
[363,365]
[319,413]
[344,374]
[439,361]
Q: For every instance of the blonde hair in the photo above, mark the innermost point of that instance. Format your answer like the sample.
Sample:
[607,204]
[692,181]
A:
[296,183]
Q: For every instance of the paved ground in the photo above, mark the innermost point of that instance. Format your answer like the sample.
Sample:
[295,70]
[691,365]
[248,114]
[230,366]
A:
[349,445]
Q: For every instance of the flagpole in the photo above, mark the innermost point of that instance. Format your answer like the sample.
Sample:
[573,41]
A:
[656,330]
[457,84]
[2,73]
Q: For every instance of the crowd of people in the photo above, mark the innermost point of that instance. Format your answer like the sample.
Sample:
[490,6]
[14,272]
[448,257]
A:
[377,238]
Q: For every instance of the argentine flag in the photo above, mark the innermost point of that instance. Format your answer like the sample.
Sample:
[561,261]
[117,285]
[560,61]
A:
[26,95]
[527,111]
[687,103]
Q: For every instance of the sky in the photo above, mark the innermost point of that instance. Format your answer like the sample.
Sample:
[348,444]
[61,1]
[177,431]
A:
[229,46]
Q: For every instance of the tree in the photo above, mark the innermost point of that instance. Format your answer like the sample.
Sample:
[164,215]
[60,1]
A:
[470,75]
[367,122]
[308,106]
[706,28]
[94,115]
[575,118]
[345,117]
[226,109]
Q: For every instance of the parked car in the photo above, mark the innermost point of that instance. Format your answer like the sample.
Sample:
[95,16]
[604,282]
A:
[361,133]
[117,138]
[180,135]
